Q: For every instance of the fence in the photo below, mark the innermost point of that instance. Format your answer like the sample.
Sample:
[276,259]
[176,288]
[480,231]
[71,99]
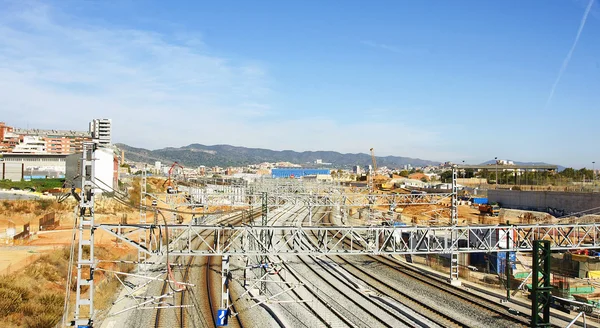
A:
[48,222]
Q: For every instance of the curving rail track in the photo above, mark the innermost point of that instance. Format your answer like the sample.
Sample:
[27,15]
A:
[169,317]
[436,312]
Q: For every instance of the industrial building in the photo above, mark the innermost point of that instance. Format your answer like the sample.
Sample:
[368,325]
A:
[318,177]
[294,172]
[18,167]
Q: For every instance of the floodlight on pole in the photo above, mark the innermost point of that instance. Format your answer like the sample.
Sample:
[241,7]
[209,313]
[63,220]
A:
[496,186]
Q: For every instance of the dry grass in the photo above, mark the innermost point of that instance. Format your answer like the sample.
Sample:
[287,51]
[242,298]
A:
[110,206]
[36,207]
[34,297]
[106,290]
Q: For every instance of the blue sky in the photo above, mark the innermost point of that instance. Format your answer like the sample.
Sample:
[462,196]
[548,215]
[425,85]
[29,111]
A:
[439,80]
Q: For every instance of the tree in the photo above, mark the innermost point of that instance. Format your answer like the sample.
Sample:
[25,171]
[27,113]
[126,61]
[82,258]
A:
[446,176]
[469,173]
[403,173]
[568,173]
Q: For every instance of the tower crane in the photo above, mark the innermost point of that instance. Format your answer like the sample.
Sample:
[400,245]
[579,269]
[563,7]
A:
[374,160]
[372,171]
[375,179]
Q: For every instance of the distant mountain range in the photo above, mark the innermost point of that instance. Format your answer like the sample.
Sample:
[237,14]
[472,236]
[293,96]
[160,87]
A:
[493,161]
[226,155]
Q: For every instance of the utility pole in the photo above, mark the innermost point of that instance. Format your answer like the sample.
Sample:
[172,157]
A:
[496,158]
[593,175]
[507,263]
[264,239]
[85,262]
[454,237]
[143,256]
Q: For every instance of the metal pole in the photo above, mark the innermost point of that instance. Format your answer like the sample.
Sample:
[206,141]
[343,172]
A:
[85,262]
[143,256]
[541,297]
[264,239]
[225,282]
[454,237]
[496,158]
[507,263]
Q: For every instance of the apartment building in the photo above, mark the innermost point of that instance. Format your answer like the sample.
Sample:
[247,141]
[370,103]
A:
[30,145]
[53,141]
[101,130]
[8,139]
[56,141]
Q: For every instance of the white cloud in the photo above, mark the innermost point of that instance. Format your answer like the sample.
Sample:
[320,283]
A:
[162,90]
[403,50]
[57,68]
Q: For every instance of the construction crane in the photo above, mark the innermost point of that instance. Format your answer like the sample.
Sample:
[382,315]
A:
[372,172]
[169,182]
[374,160]
[375,179]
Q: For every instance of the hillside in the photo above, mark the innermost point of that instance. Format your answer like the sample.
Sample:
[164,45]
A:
[226,155]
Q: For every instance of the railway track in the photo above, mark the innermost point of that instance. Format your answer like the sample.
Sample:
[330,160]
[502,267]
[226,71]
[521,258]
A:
[474,300]
[314,310]
[165,316]
[418,303]
[376,300]
[357,306]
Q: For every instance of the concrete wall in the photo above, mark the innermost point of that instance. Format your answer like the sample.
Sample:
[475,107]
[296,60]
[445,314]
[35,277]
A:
[12,171]
[553,202]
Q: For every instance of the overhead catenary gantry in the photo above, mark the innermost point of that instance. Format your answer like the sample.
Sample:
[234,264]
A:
[362,240]
[238,196]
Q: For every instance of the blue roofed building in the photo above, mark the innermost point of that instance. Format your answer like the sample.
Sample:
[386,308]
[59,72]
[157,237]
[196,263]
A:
[297,172]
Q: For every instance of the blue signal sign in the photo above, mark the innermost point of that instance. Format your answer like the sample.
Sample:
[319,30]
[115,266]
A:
[222,317]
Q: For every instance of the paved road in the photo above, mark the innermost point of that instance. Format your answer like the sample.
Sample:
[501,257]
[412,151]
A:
[17,195]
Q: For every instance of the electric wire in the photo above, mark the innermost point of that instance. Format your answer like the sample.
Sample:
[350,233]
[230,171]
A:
[125,201]
[169,271]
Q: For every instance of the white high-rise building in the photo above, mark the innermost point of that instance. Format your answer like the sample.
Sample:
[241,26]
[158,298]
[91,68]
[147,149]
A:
[101,129]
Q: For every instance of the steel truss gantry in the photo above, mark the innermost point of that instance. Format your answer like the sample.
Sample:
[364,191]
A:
[364,240]
[238,196]
[285,186]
